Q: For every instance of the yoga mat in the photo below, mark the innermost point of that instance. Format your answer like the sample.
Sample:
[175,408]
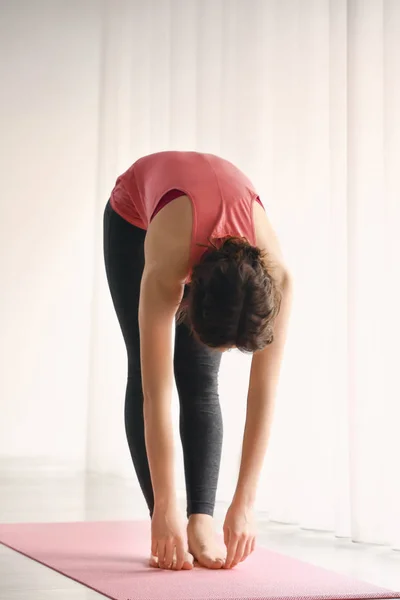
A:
[112,558]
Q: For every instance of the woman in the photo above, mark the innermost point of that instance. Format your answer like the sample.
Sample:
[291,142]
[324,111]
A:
[188,248]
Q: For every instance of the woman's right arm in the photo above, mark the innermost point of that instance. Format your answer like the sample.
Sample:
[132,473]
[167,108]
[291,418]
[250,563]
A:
[159,299]
[162,286]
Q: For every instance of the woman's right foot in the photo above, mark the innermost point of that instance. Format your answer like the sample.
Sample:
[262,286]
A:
[187,565]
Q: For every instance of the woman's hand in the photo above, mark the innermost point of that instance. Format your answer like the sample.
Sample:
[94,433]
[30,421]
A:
[239,535]
[168,539]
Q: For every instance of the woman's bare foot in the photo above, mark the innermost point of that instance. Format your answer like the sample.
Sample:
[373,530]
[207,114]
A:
[187,565]
[203,543]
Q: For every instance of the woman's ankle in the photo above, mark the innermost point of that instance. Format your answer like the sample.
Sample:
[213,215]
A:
[200,518]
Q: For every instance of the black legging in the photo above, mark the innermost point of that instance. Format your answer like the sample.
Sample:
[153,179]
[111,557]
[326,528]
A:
[196,374]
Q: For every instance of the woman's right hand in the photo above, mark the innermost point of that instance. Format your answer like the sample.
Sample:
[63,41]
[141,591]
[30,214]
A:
[168,539]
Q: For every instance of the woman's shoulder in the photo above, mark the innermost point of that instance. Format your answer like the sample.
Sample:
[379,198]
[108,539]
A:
[168,238]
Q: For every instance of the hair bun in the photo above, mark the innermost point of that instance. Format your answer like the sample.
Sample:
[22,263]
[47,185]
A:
[238,249]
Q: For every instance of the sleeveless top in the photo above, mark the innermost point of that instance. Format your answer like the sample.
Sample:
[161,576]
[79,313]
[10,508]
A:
[221,195]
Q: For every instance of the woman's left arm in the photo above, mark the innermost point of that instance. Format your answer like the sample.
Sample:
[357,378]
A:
[264,376]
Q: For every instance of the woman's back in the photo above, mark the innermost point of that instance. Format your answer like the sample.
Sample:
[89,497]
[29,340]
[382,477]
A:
[221,196]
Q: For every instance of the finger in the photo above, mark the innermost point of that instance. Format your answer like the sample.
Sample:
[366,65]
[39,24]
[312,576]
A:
[154,547]
[247,550]
[169,553]
[253,544]
[154,562]
[233,542]
[179,555]
[161,553]
[239,551]
[173,566]
[226,537]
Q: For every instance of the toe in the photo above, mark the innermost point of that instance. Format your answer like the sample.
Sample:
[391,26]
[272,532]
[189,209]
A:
[188,564]
[210,562]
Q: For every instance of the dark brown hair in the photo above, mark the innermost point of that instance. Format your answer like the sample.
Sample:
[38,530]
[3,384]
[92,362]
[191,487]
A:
[233,299]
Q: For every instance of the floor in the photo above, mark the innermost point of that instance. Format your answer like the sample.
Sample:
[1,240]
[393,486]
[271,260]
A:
[57,497]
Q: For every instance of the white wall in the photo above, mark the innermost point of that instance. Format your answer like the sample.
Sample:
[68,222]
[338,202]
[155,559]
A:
[49,73]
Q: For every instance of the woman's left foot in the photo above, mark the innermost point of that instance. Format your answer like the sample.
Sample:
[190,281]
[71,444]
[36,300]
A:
[203,543]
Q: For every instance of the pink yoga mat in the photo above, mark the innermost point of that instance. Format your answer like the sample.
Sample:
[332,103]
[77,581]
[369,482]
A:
[112,558]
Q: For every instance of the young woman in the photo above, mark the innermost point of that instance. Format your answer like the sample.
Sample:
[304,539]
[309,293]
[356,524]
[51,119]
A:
[189,250]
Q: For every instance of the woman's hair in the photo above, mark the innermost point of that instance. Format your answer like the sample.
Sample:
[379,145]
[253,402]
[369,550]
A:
[233,299]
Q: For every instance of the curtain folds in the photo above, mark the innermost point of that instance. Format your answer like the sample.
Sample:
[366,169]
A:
[304,96]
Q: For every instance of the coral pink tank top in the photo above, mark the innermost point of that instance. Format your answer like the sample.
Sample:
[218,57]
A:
[221,195]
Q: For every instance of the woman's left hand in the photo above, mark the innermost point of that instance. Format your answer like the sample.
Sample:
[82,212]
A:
[239,535]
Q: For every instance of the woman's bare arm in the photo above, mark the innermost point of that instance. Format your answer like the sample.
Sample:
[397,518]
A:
[166,261]
[265,369]
[264,376]
[158,303]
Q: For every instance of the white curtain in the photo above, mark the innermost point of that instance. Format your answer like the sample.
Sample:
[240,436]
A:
[304,96]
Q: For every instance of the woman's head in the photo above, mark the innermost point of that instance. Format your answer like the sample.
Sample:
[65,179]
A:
[233,299]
